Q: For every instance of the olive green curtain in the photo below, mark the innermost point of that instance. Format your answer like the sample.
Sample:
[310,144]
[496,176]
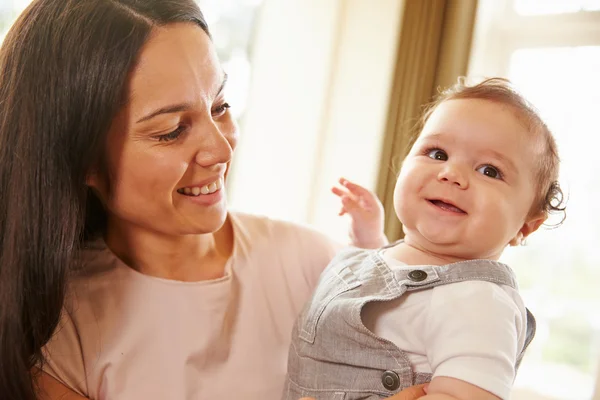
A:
[433,50]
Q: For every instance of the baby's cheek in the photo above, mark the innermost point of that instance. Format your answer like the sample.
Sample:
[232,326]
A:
[402,204]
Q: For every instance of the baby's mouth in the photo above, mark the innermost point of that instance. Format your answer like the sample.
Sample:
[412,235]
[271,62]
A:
[446,206]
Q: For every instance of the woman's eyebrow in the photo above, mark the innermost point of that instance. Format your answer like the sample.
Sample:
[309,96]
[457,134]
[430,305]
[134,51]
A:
[223,82]
[174,108]
[166,110]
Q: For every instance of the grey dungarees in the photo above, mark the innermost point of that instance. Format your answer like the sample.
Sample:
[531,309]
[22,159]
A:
[333,356]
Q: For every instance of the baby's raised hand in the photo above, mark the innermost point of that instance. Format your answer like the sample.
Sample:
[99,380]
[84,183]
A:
[366,214]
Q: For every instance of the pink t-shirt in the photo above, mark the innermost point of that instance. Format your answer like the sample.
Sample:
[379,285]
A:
[128,336]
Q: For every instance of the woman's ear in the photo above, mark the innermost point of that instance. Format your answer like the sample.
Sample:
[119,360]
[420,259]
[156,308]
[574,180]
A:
[92,179]
[96,181]
[530,226]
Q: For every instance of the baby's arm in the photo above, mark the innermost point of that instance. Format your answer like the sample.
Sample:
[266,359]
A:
[366,214]
[474,333]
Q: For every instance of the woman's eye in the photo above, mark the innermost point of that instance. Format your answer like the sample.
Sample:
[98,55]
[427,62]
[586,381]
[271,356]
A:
[438,154]
[490,171]
[221,109]
[172,135]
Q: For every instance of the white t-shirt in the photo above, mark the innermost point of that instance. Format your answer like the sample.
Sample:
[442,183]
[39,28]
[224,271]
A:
[473,330]
[128,336]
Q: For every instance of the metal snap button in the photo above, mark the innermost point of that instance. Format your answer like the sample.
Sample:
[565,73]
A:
[390,380]
[417,275]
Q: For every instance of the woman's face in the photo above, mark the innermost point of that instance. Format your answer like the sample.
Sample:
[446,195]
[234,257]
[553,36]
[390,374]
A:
[169,148]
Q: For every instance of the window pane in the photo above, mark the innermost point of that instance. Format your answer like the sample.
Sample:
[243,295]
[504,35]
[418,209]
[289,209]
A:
[231,23]
[9,9]
[538,7]
[558,269]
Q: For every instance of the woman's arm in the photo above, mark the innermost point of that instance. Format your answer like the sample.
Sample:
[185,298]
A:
[51,389]
[446,388]
[411,393]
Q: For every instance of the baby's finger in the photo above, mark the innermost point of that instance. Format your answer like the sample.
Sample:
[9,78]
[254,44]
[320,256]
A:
[339,192]
[354,188]
[344,193]
[352,206]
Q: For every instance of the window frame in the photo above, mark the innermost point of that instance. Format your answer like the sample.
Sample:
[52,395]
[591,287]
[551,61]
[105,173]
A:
[498,23]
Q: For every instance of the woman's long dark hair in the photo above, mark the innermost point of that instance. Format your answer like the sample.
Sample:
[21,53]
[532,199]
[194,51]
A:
[63,72]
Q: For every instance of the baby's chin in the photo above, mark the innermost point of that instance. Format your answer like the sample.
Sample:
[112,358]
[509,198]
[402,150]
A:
[437,238]
[448,248]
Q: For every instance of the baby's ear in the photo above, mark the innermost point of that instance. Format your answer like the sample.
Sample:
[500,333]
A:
[517,240]
[530,226]
[533,224]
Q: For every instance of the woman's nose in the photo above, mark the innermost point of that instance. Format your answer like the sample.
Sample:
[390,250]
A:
[215,147]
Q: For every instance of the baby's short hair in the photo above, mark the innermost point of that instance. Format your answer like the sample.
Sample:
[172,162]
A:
[550,197]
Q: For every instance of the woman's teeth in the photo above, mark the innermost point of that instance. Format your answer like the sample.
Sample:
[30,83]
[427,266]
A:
[206,189]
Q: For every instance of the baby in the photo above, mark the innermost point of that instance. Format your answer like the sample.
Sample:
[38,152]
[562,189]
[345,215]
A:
[437,306]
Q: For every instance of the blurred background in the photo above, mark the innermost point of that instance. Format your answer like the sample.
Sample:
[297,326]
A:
[330,88]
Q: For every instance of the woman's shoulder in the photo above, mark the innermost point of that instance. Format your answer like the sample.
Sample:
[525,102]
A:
[260,227]
[284,250]
[96,272]
[94,260]
[288,244]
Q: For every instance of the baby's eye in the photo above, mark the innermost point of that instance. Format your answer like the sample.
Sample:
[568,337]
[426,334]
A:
[490,171]
[438,154]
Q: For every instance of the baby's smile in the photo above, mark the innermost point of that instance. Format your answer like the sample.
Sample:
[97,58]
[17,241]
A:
[446,206]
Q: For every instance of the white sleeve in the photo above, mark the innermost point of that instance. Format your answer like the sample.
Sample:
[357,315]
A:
[474,332]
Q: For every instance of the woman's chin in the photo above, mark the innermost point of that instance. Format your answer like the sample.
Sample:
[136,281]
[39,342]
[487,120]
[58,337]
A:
[209,222]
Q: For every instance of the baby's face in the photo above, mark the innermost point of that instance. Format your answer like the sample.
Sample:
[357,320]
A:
[467,186]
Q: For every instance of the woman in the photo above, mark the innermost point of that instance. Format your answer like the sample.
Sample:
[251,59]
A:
[116,142]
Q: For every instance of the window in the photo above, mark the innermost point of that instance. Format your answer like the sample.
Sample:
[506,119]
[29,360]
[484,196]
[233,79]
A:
[551,52]
[537,7]
[312,116]
[232,23]
[9,10]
